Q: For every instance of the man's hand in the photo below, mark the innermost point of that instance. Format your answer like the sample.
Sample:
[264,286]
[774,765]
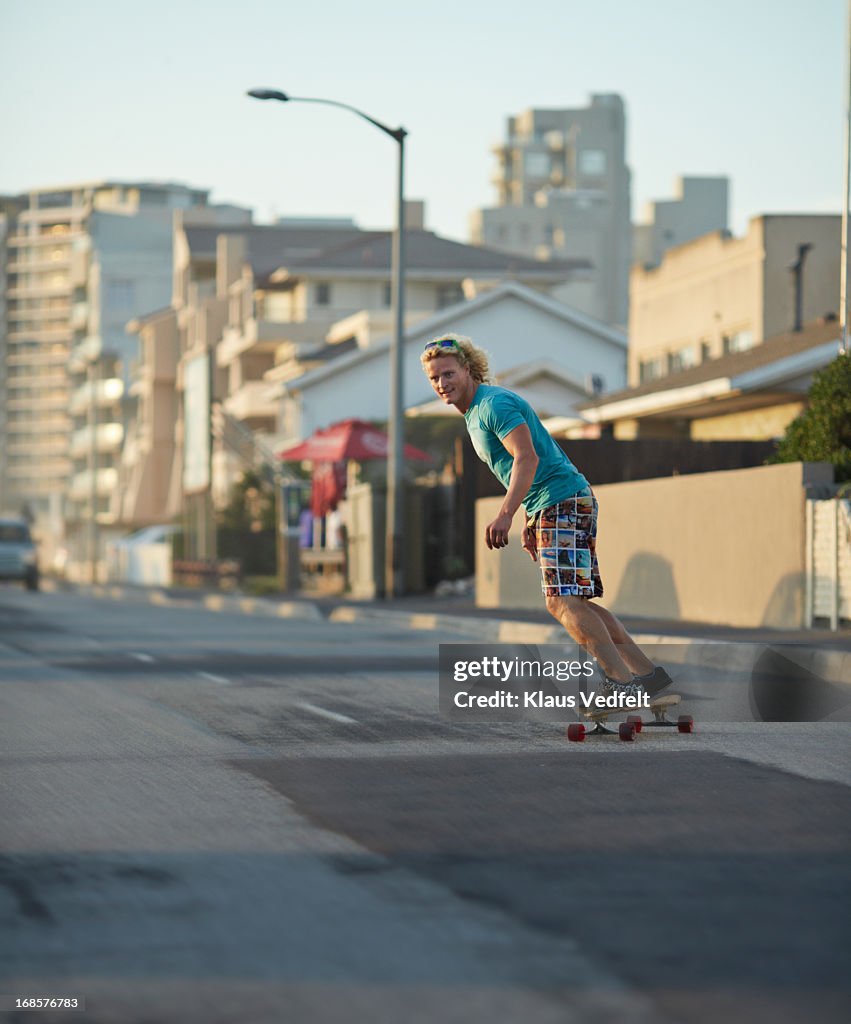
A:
[496,533]
[529,540]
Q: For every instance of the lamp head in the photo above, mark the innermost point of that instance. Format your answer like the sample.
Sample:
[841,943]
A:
[268,94]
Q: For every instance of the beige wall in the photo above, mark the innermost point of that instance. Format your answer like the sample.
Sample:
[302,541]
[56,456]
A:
[762,424]
[701,291]
[783,235]
[725,548]
[717,286]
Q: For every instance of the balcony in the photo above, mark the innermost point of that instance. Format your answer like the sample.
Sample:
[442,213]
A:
[106,481]
[104,393]
[79,315]
[41,402]
[267,335]
[79,267]
[252,401]
[41,334]
[109,438]
[85,352]
[46,289]
[39,261]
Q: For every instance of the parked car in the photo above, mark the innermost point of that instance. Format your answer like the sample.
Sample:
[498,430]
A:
[18,556]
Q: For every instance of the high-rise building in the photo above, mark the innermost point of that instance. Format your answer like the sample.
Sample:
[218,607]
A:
[564,193]
[81,261]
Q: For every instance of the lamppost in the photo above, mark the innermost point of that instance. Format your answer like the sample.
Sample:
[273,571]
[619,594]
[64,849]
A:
[393,578]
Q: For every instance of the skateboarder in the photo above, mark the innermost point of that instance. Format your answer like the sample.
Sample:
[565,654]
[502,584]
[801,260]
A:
[560,528]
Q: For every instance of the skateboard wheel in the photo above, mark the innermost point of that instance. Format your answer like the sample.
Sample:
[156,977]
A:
[627,731]
[576,732]
[635,720]
[685,723]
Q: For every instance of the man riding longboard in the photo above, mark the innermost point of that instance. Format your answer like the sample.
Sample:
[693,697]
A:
[560,527]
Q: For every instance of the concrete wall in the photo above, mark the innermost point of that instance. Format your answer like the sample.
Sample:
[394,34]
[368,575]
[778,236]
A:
[725,548]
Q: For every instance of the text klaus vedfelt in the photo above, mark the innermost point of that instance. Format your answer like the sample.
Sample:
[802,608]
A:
[498,669]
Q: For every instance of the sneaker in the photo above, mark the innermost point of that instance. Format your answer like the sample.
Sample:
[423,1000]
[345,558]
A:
[655,682]
[633,688]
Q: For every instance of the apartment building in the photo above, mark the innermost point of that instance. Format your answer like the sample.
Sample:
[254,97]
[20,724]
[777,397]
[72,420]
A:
[166,470]
[82,260]
[721,294]
[10,207]
[563,192]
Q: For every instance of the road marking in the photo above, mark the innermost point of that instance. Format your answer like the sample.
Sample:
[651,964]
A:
[215,679]
[327,714]
[142,657]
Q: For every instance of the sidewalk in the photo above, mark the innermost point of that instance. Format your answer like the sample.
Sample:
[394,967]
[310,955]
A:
[531,622]
[458,613]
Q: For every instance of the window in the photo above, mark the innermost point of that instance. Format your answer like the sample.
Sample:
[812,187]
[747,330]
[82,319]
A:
[449,294]
[739,341]
[323,294]
[651,369]
[681,359]
[537,165]
[592,163]
[388,295]
[120,293]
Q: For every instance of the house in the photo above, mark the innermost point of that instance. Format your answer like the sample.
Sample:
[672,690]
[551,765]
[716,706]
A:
[518,326]
[317,308]
[751,395]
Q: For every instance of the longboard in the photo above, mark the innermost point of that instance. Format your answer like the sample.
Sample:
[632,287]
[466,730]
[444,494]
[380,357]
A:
[628,730]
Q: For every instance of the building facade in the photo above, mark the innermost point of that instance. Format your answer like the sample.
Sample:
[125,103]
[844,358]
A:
[700,207]
[720,294]
[563,192]
[81,261]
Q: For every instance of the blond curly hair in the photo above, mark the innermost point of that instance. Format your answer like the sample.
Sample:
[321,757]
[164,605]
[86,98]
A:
[463,349]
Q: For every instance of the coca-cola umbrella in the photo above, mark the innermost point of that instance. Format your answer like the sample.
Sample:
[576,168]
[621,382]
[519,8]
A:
[349,439]
[331,448]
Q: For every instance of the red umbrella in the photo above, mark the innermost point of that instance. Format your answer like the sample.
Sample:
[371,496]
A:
[328,487]
[349,439]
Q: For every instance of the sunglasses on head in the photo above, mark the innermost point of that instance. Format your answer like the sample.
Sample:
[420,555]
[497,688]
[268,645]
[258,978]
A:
[444,343]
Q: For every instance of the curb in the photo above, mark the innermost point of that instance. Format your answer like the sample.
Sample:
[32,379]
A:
[830,664]
[305,610]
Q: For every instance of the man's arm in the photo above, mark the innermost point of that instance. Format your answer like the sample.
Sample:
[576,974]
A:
[518,444]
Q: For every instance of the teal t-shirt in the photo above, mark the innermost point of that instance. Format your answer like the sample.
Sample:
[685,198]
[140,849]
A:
[493,414]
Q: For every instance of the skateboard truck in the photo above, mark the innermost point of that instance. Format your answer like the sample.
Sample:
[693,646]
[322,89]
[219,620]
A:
[659,707]
[628,730]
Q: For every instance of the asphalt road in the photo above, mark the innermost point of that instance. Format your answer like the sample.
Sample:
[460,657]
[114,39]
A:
[225,818]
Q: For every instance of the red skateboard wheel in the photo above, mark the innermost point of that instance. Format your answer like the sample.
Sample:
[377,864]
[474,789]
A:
[635,720]
[627,731]
[576,732]
[685,723]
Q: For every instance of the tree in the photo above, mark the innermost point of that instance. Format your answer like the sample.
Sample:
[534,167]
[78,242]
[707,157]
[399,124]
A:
[246,526]
[822,433]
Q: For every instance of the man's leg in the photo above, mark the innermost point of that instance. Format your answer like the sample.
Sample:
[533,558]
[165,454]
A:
[628,649]
[590,630]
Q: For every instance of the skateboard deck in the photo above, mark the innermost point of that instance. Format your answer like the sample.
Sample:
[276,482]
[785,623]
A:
[634,723]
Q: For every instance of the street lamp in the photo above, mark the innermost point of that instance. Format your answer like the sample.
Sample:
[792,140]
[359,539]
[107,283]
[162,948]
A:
[393,580]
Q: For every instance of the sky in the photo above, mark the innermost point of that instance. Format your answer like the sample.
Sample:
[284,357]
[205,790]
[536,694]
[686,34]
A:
[97,89]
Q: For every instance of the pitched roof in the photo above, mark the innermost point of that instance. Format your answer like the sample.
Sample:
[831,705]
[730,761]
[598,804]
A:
[448,318]
[269,246]
[779,346]
[370,253]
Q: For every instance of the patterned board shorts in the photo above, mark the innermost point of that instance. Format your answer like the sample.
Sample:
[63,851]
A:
[564,532]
